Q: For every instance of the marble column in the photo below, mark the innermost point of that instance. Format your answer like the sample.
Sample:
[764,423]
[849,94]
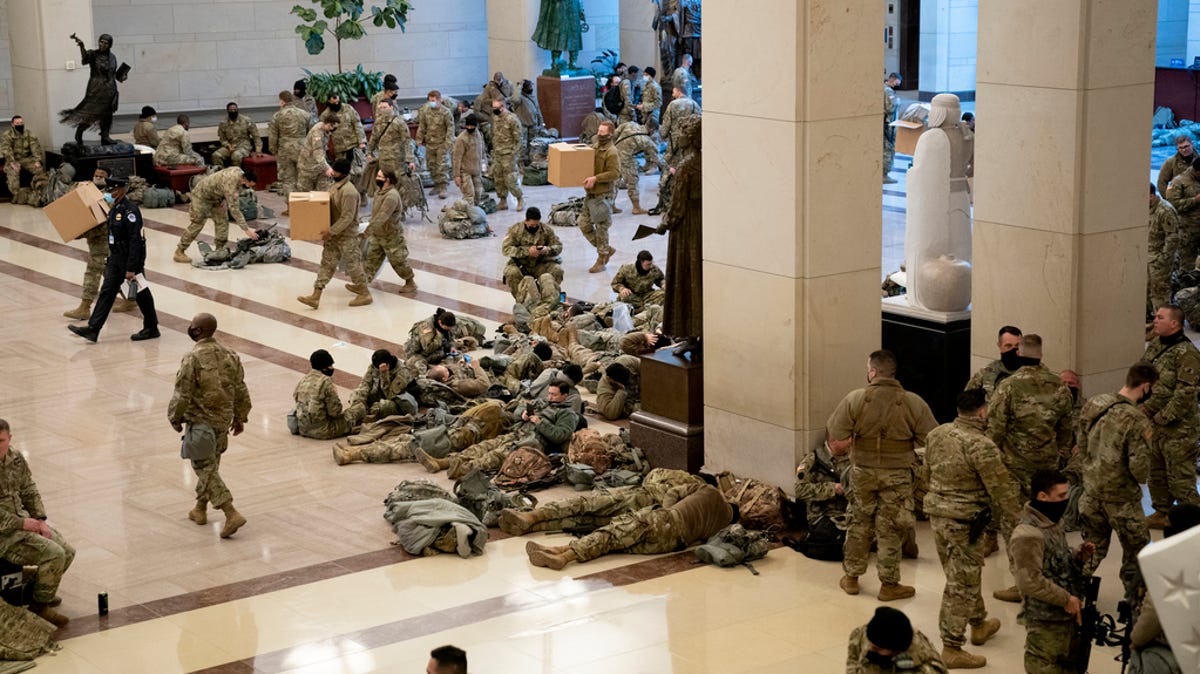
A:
[949,29]
[510,24]
[1065,95]
[792,214]
[41,51]
[639,44]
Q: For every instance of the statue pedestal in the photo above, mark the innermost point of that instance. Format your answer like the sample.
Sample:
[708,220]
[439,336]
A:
[119,159]
[934,350]
[565,102]
[670,426]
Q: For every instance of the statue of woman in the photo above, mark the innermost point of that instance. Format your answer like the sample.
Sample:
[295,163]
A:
[683,314]
[100,100]
[560,28]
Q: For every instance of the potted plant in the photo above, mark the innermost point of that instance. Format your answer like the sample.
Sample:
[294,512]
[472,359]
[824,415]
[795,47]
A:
[355,87]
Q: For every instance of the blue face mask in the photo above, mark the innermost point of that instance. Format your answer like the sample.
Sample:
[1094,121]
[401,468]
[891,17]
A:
[108,197]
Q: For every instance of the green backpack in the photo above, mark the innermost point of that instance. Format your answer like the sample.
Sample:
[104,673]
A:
[733,546]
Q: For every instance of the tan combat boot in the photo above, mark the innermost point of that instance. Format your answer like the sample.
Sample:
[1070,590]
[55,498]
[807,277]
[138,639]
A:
[991,543]
[502,204]
[984,631]
[550,557]
[516,522]
[893,591]
[344,453]
[956,658]
[1011,594]
[521,204]
[616,210]
[233,520]
[356,288]
[313,300]
[362,299]
[457,468]
[1156,521]
[199,512]
[48,614]
[181,255]
[637,207]
[409,287]
[122,305]
[598,266]
[609,251]
[849,584]
[431,464]
[81,312]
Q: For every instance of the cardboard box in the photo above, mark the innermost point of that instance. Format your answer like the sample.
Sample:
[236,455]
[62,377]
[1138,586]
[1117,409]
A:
[570,163]
[309,215]
[907,134]
[77,211]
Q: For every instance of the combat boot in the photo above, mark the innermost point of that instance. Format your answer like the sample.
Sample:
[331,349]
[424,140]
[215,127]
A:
[362,299]
[849,584]
[457,468]
[893,591]
[616,210]
[1011,594]
[48,614]
[409,287]
[344,454]
[516,522]
[984,631]
[503,205]
[81,312]
[550,557]
[199,512]
[181,256]
[521,204]
[991,543]
[637,207]
[233,520]
[1156,521]
[609,251]
[430,463]
[956,658]
[598,266]
[122,305]
[356,288]
[313,300]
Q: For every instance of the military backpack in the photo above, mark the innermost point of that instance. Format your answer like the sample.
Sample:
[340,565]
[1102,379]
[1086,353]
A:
[761,504]
[478,494]
[589,447]
[526,467]
[733,546]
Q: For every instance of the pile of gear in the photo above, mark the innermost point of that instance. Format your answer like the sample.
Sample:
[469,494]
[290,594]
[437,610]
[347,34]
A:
[461,220]
[270,246]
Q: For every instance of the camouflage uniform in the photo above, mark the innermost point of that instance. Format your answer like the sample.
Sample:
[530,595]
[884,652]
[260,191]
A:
[598,508]
[1172,408]
[349,133]
[97,243]
[22,151]
[19,499]
[967,475]
[1173,166]
[210,388]
[342,245]
[682,78]
[319,411]
[924,657]
[435,130]
[175,148]
[553,432]
[544,269]
[1114,441]
[652,98]
[890,102]
[676,111]
[427,344]
[652,530]
[1029,419]
[385,237]
[524,366]
[615,401]
[378,386]
[214,196]
[389,140]
[144,133]
[596,216]
[241,134]
[1182,194]
[627,110]
[309,105]
[1048,575]
[468,165]
[886,423]
[530,115]
[506,145]
[632,139]
[642,284]
[1162,254]
[818,489]
[987,378]
[286,133]
[313,162]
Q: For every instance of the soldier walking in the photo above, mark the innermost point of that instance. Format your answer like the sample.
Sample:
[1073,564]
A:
[341,241]
[285,134]
[596,216]
[506,146]
[435,130]
[385,235]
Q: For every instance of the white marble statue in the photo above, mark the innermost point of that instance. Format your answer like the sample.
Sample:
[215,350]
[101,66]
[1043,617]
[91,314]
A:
[937,237]
[1171,568]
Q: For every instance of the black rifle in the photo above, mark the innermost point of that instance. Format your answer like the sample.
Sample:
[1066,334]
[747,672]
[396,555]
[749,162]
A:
[825,469]
[1086,632]
[978,523]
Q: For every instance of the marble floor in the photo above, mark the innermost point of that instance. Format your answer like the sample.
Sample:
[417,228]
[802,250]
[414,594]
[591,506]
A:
[313,583]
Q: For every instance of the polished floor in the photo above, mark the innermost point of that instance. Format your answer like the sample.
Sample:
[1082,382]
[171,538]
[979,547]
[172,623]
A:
[313,582]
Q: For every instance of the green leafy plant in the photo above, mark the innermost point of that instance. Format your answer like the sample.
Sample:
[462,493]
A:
[348,86]
[607,61]
[343,19]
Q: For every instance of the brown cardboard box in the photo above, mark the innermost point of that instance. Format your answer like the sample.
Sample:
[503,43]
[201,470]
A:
[907,134]
[77,211]
[570,163]
[309,215]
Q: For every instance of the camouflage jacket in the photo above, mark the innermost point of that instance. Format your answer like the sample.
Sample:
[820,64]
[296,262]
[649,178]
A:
[224,185]
[435,126]
[1165,239]
[1114,441]
[1182,194]
[988,378]
[427,341]
[1173,166]
[1047,573]
[144,133]
[309,105]
[506,134]
[287,130]
[967,474]
[651,98]
[389,140]
[818,488]
[343,208]
[630,139]
[670,485]
[240,134]
[1029,417]
[677,110]
[467,158]
[21,147]
[518,239]
[313,157]
[641,284]
[349,133]
[682,78]
[920,658]
[885,421]
[210,388]
[377,385]
[19,496]
[317,405]
[1173,399]
[385,215]
[175,141]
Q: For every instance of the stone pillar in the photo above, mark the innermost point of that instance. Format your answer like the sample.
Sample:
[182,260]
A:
[510,25]
[949,30]
[40,49]
[639,44]
[791,298]
[1061,182]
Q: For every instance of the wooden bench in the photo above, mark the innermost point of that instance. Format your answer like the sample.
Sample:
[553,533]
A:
[178,178]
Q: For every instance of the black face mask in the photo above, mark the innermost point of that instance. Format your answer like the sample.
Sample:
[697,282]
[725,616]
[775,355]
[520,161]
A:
[378,182]
[1053,510]
[328,371]
[1145,397]
[470,129]
[233,114]
[1010,360]
[534,229]
[194,333]
[336,107]
[20,128]
[879,659]
[497,111]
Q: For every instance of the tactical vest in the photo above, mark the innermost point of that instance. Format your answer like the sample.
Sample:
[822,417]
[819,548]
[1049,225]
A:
[881,410]
[1059,566]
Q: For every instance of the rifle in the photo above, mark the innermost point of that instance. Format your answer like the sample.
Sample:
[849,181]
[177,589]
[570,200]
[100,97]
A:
[1086,632]
[825,469]
[1104,630]
[422,202]
[979,523]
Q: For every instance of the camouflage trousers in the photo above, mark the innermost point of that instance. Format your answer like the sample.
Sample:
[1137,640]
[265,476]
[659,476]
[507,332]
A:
[97,243]
[504,174]
[629,167]
[393,450]
[210,488]
[1022,473]
[12,172]
[1100,519]
[881,507]
[178,158]
[1173,467]
[594,220]
[285,159]
[391,247]
[310,182]
[1158,283]
[343,248]
[327,428]
[223,157]
[471,188]
[200,211]
[649,531]
[889,156]
[1047,646]
[439,168]
[527,136]
[488,455]
[542,292]
[52,557]
[962,562]
[593,510]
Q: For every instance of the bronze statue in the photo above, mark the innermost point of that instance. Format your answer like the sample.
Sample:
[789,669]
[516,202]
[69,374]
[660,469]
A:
[683,314]
[100,100]
[560,28]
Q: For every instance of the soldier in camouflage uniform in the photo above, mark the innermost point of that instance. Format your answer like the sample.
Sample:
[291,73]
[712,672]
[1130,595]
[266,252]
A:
[888,644]
[635,283]
[1003,367]
[596,217]
[625,88]
[680,107]
[525,107]
[144,131]
[384,380]
[891,103]
[349,133]
[532,250]
[303,100]
[967,476]
[633,139]
[238,135]
[653,530]
[214,196]
[319,412]
[1177,163]
[435,131]
[285,135]
[22,151]
[506,145]
[1114,441]
[468,161]
[1049,575]
[821,484]
[1162,252]
[312,165]
[175,146]
[25,537]
[388,93]
[1184,195]
[481,422]
[385,235]
[389,141]
[883,423]
[1172,409]
[431,340]
[341,242]
[210,389]
[652,97]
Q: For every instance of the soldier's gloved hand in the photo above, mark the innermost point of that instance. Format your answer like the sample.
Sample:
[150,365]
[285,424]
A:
[237,428]
[177,426]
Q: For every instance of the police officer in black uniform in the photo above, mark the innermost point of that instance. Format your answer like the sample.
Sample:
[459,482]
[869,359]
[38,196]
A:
[126,258]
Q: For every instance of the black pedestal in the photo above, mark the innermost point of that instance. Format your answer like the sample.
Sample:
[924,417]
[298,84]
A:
[670,426]
[118,159]
[934,357]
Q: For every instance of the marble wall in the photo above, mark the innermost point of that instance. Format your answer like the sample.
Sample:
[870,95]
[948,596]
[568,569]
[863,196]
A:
[949,31]
[6,99]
